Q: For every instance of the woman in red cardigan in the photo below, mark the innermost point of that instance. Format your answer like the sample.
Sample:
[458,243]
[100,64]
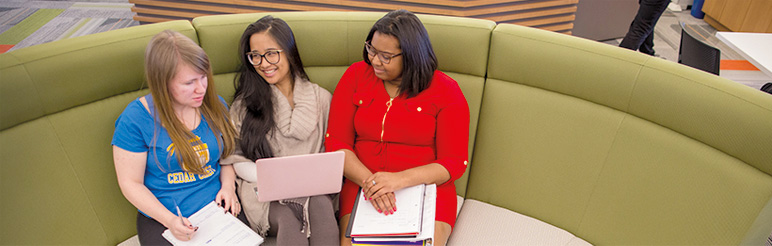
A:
[400,122]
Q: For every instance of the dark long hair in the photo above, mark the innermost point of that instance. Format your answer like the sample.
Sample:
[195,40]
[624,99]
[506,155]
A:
[417,52]
[256,92]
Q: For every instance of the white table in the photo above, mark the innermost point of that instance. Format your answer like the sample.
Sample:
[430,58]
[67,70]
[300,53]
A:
[755,47]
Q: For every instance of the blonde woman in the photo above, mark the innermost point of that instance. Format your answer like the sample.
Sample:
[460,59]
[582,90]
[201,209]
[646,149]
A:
[167,145]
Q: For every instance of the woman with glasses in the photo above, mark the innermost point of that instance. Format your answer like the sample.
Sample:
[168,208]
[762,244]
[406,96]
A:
[400,122]
[167,145]
[278,112]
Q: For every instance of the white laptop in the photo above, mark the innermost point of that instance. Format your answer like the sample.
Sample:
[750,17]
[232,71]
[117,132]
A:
[299,176]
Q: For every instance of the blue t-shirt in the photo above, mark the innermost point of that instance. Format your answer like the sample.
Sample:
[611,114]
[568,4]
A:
[134,131]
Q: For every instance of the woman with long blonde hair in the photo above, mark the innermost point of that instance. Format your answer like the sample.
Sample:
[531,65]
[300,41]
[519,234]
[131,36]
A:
[167,145]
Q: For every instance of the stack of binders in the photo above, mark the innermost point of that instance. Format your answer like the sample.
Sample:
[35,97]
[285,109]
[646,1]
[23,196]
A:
[411,224]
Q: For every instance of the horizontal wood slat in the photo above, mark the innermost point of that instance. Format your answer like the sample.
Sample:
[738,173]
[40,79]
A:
[532,14]
[193,7]
[553,15]
[539,22]
[149,19]
[161,12]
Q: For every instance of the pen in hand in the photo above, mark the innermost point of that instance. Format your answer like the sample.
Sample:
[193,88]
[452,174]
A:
[179,214]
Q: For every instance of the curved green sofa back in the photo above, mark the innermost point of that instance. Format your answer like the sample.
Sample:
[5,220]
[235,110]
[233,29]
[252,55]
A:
[611,145]
[621,148]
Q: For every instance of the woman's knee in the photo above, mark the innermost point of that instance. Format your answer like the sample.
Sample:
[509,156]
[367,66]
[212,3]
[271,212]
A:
[343,224]
[442,232]
[322,202]
[281,214]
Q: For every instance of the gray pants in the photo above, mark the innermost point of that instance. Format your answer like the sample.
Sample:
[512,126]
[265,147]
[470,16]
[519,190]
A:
[286,227]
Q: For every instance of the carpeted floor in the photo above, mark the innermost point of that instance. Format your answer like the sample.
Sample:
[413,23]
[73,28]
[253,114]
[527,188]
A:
[667,41]
[26,23]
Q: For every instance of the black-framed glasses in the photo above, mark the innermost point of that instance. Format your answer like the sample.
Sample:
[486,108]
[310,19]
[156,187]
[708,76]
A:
[385,57]
[271,56]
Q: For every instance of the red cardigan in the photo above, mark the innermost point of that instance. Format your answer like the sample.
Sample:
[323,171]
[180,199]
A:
[396,134]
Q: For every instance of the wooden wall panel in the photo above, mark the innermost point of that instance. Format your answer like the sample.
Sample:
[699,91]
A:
[713,8]
[739,15]
[553,15]
[755,21]
[734,14]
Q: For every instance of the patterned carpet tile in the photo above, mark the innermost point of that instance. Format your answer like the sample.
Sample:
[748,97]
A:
[27,23]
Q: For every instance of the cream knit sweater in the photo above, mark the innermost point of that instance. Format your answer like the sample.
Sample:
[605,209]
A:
[298,131]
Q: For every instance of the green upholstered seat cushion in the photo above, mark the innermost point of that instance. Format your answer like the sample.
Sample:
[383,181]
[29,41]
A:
[619,147]
[61,169]
[539,153]
[39,182]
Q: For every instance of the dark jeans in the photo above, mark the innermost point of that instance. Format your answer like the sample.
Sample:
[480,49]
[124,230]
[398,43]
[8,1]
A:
[640,36]
[149,230]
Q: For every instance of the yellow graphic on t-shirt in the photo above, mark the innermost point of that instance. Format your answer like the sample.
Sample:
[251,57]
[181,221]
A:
[209,172]
[202,150]
[180,177]
[185,177]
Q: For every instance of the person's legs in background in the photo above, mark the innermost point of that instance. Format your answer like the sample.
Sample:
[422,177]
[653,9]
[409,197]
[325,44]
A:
[641,33]
[647,47]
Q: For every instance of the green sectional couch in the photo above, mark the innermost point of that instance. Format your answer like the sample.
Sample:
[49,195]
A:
[572,142]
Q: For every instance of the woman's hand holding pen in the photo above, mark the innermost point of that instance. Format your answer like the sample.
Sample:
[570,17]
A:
[181,227]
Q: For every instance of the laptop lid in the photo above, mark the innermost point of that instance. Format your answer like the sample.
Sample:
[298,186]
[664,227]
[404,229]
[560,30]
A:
[299,176]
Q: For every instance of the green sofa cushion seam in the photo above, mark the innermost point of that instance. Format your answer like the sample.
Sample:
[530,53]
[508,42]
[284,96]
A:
[75,172]
[37,94]
[598,175]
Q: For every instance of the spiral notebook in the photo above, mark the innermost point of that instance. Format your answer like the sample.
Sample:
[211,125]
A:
[406,222]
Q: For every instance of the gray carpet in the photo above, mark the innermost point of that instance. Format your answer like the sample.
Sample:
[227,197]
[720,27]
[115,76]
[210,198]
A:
[27,23]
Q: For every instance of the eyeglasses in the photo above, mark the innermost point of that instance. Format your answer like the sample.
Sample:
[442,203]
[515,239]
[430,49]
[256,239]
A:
[271,56]
[385,57]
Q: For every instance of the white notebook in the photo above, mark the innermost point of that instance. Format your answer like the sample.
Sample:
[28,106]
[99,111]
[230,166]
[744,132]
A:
[365,221]
[215,227]
[427,228]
